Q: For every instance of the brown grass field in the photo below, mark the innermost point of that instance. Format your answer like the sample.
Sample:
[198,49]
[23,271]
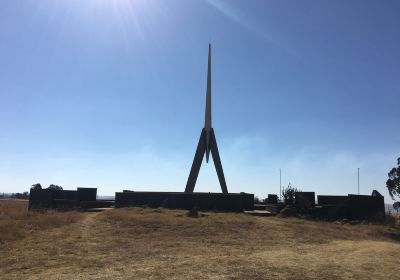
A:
[140,243]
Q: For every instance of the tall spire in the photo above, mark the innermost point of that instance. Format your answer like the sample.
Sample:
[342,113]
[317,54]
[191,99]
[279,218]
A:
[207,143]
[207,124]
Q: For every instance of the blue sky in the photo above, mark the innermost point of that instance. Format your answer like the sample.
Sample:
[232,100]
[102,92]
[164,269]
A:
[111,94]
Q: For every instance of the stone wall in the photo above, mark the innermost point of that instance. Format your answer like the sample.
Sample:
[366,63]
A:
[86,194]
[233,202]
[364,207]
[352,207]
[60,199]
[332,199]
[45,198]
[304,200]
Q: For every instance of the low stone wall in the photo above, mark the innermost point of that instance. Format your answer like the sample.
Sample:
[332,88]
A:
[45,198]
[86,194]
[332,199]
[233,202]
[352,207]
[304,200]
[331,212]
[363,207]
[60,199]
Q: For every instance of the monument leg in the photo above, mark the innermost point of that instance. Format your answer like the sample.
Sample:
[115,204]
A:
[217,162]
[198,158]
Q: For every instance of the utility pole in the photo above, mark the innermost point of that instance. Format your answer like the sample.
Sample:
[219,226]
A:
[358,181]
[280,184]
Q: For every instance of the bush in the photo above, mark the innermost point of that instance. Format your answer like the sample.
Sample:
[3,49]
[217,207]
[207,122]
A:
[289,193]
[55,187]
[24,195]
[36,186]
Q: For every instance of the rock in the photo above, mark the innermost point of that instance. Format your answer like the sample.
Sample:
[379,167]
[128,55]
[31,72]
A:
[288,211]
[194,213]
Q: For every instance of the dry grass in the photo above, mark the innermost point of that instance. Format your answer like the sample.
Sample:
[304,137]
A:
[138,243]
[16,222]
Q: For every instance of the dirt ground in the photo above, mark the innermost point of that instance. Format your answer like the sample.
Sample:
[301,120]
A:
[140,243]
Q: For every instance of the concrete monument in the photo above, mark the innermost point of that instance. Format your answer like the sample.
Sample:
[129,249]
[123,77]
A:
[207,143]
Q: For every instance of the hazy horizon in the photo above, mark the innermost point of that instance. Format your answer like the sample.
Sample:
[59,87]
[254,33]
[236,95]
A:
[111,94]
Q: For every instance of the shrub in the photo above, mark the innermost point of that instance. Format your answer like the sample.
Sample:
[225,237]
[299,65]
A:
[36,186]
[24,195]
[55,187]
[289,193]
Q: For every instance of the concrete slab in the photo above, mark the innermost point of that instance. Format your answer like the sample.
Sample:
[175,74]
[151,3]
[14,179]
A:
[260,213]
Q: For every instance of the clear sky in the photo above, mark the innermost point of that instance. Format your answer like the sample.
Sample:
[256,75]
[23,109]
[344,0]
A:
[111,94]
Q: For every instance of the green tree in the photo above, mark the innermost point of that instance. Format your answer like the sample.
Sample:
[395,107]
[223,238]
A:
[36,186]
[55,187]
[396,206]
[24,195]
[393,183]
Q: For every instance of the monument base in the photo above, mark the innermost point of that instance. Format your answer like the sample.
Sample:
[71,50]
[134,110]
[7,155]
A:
[227,202]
